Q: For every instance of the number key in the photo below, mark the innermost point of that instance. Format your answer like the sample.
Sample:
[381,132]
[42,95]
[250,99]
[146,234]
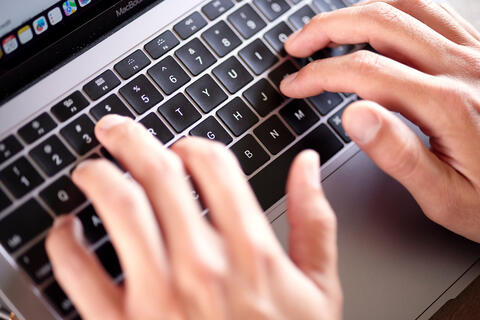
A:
[195,56]
[169,75]
[52,156]
[277,36]
[216,8]
[221,38]
[272,9]
[111,105]
[20,177]
[80,135]
[141,94]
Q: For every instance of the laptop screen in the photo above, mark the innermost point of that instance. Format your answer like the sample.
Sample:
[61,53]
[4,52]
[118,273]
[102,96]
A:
[36,37]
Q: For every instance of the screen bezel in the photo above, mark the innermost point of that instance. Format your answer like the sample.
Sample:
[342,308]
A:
[89,30]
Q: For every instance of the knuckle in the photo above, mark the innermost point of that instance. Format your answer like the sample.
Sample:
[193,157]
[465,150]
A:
[382,12]
[405,161]
[365,62]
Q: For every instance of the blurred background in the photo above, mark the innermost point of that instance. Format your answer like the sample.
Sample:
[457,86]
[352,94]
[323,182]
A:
[470,9]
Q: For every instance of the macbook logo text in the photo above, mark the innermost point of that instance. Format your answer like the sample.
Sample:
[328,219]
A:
[130,5]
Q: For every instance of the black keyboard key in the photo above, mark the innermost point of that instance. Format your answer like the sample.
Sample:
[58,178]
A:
[190,25]
[70,106]
[274,135]
[157,128]
[9,147]
[272,9]
[62,196]
[269,184]
[221,38]
[20,177]
[281,72]
[35,262]
[169,75]
[59,299]
[206,93]
[328,5]
[110,158]
[336,122]
[52,156]
[250,154]
[258,57]
[212,130]
[4,201]
[37,128]
[179,112]
[326,102]
[80,135]
[299,116]
[263,97]
[301,17]
[216,8]
[93,228]
[277,36]
[101,85]
[141,94]
[237,116]
[162,44]
[23,224]
[111,105]
[232,74]
[109,259]
[195,56]
[246,21]
[132,64]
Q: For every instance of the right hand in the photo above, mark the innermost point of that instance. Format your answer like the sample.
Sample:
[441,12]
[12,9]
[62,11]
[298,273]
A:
[427,69]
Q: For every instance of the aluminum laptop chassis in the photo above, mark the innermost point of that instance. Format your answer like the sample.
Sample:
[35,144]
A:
[394,263]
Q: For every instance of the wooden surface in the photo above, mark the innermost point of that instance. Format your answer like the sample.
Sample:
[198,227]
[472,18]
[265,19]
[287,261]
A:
[465,307]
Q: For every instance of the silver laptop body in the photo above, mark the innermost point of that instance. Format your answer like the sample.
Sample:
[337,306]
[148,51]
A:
[394,262]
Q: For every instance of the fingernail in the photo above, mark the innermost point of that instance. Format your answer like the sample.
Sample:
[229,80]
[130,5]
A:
[290,78]
[363,125]
[82,165]
[110,121]
[312,160]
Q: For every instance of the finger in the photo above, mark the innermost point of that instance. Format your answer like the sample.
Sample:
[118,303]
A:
[312,223]
[462,21]
[232,204]
[80,274]
[367,73]
[388,30]
[400,153]
[434,16]
[193,247]
[128,218]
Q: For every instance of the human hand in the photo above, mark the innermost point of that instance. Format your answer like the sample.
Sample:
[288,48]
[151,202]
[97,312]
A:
[427,69]
[177,265]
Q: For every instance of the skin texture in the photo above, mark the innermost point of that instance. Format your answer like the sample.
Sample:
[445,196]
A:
[428,69]
[178,265]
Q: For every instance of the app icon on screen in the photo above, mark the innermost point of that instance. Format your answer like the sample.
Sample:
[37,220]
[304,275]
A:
[25,34]
[83,3]
[10,44]
[40,25]
[69,7]
[55,16]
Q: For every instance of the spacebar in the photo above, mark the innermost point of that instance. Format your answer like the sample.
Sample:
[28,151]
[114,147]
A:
[269,184]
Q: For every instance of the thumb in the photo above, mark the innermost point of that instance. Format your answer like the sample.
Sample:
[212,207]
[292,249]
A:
[398,151]
[313,227]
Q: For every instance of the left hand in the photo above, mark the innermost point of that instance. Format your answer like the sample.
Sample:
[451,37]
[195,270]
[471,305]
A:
[178,266]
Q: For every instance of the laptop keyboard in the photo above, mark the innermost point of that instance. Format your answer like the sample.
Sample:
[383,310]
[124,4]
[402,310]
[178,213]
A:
[215,74]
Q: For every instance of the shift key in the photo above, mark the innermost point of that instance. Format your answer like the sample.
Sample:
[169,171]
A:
[269,184]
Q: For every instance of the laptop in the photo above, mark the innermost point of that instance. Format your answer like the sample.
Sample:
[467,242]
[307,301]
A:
[202,68]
